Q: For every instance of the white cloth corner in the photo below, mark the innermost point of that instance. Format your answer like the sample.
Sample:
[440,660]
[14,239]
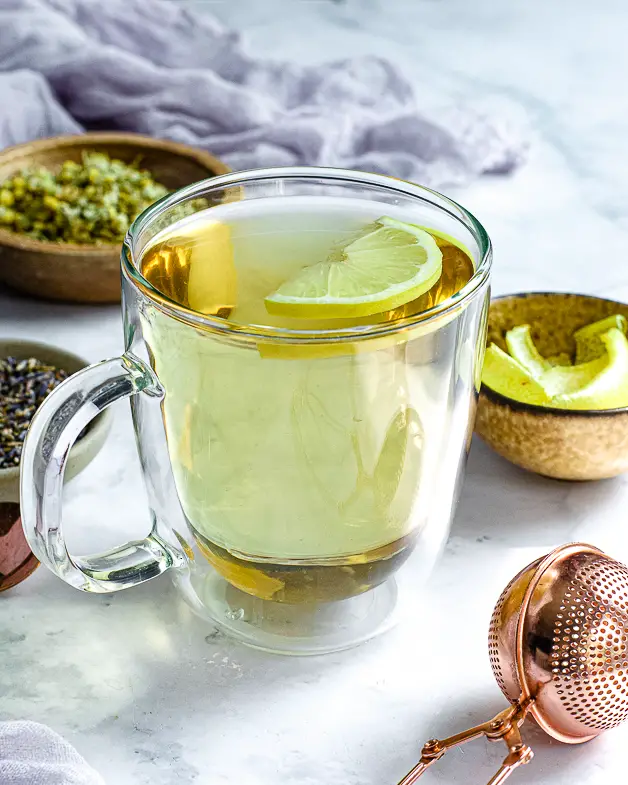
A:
[33,754]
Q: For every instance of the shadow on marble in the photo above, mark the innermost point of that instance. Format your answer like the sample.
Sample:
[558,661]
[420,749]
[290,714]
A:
[513,507]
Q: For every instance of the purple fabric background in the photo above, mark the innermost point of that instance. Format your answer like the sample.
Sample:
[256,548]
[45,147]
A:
[155,67]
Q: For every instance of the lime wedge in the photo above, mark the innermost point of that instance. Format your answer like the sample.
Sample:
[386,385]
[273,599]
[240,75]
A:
[503,374]
[554,377]
[522,348]
[600,383]
[608,388]
[566,379]
[559,359]
[589,344]
[388,265]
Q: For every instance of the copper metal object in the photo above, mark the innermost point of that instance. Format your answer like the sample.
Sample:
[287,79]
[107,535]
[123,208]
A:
[16,560]
[558,645]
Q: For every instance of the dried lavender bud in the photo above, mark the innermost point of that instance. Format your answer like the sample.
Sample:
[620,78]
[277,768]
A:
[23,386]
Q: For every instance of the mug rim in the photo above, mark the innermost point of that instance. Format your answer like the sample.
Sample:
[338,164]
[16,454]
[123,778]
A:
[288,335]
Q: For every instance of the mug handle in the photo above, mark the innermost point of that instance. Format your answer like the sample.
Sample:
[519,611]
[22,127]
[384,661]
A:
[54,429]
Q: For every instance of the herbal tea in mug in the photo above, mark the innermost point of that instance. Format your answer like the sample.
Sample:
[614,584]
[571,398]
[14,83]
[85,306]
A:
[303,356]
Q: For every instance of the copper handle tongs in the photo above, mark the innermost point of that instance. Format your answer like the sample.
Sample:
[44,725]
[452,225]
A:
[504,726]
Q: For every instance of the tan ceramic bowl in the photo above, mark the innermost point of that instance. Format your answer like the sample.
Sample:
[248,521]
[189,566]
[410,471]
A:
[88,273]
[567,445]
[86,448]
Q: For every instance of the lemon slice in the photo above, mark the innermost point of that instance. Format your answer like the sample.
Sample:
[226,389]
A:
[212,284]
[390,264]
[608,388]
[505,375]
[589,343]
[442,238]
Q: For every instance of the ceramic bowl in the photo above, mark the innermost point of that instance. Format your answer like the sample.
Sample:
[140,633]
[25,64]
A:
[567,445]
[88,273]
[87,447]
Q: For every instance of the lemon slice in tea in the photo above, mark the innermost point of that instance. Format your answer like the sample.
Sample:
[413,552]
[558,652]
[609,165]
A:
[442,238]
[212,284]
[388,265]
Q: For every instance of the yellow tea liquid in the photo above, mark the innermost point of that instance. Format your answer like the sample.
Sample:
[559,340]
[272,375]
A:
[300,468]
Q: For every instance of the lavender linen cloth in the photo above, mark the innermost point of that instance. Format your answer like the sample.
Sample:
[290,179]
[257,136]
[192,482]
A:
[156,67]
[32,754]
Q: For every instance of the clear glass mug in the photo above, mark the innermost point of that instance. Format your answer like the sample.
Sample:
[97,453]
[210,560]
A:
[295,477]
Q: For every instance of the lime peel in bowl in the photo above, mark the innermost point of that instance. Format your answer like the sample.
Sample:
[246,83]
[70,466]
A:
[607,389]
[589,342]
[599,383]
[507,376]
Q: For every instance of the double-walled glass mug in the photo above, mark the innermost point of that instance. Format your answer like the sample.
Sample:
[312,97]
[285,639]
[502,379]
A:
[298,471]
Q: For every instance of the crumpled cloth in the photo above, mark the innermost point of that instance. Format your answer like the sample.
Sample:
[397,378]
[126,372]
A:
[159,68]
[32,754]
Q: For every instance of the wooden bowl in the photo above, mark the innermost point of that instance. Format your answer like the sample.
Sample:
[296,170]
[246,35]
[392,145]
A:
[567,445]
[87,447]
[88,273]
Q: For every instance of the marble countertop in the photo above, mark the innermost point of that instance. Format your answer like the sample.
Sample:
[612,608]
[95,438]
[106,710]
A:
[150,694]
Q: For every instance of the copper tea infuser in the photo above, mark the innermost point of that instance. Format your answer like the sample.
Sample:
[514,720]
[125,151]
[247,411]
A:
[558,646]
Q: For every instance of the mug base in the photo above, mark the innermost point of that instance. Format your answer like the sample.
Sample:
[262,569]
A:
[281,628]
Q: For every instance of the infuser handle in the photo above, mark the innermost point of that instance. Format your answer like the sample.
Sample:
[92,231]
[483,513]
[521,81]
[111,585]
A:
[54,429]
[504,726]
[513,760]
[434,750]
[417,771]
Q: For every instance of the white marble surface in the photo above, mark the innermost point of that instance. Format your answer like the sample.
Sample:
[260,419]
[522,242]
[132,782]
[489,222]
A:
[146,691]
